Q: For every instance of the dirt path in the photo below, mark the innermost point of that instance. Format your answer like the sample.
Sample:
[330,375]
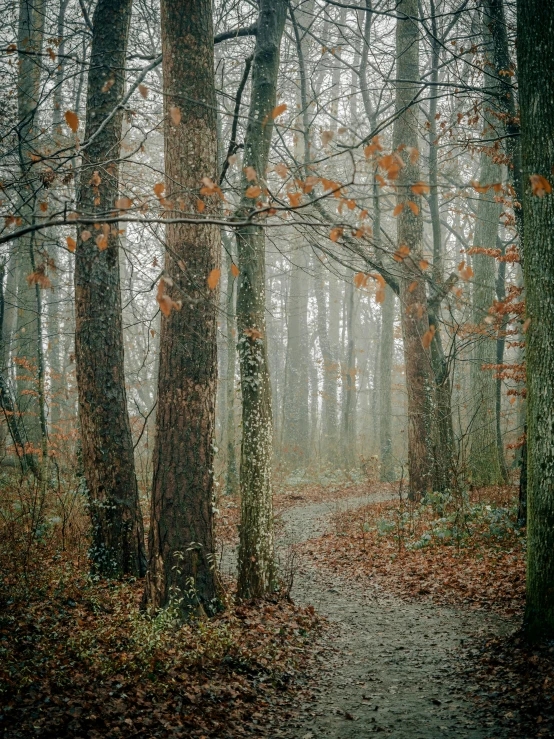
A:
[392,668]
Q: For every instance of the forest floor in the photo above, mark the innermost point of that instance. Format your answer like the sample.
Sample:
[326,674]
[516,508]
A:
[403,621]
[440,658]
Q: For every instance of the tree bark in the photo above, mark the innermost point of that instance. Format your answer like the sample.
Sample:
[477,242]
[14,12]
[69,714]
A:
[118,537]
[27,337]
[181,544]
[256,574]
[413,298]
[296,398]
[535,31]
[385,386]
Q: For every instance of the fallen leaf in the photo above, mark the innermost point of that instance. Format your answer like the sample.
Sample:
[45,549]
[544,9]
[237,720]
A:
[253,191]
[71,244]
[235,270]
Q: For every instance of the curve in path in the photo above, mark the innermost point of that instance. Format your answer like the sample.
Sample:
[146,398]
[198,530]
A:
[392,665]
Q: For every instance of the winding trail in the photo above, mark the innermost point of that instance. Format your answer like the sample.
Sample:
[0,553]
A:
[392,663]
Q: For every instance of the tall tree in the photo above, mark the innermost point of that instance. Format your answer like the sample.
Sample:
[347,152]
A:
[27,344]
[296,400]
[181,544]
[413,298]
[385,382]
[484,459]
[535,32]
[256,548]
[108,461]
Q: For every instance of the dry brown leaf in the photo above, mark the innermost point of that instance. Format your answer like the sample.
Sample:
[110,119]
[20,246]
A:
[235,270]
[71,244]
[276,112]
[213,278]
[398,210]
[175,115]
[540,186]
[253,191]
[143,91]
[72,120]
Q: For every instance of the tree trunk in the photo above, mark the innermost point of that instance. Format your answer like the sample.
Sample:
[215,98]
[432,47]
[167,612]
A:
[413,298]
[181,545]
[385,386]
[118,538]
[256,549]
[296,399]
[349,375]
[535,32]
[27,337]
[484,461]
[232,479]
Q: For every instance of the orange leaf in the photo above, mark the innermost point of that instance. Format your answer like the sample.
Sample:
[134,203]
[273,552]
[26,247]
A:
[123,203]
[359,279]
[71,244]
[427,337]
[253,191]
[540,186]
[51,53]
[419,188]
[250,173]
[44,207]
[200,205]
[398,210]
[336,233]
[423,264]
[175,115]
[213,278]
[295,198]
[72,120]
[235,270]
[412,286]
[480,188]
[101,242]
[413,207]
[159,187]
[276,112]
[380,295]
[281,169]
[143,91]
